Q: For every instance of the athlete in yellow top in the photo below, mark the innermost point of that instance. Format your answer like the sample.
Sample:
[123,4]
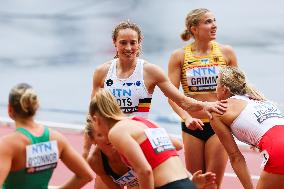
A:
[196,68]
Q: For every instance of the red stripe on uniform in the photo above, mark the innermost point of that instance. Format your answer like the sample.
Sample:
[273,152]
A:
[143,109]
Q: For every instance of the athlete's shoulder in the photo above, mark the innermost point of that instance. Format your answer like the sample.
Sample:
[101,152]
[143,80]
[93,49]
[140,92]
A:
[148,65]
[101,72]
[61,140]
[13,142]
[54,135]
[150,68]
[178,53]
[177,57]
[125,124]
[229,54]
[104,67]
[225,48]
[20,138]
[152,72]
[234,108]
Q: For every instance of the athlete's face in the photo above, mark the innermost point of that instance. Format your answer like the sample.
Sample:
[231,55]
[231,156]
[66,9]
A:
[207,27]
[127,44]
[100,130]
[101,139]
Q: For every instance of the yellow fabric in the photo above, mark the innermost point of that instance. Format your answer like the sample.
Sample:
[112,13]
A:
[145,105]
[204,120]
[199,74]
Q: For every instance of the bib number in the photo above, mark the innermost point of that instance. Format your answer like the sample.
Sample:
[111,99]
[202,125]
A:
[202,79]
[159,139]
[41,156]
[128,179]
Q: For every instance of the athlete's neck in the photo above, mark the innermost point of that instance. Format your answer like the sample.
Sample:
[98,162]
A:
[200,48]
[26,122]
[126,64]
[30,125]
[125,68]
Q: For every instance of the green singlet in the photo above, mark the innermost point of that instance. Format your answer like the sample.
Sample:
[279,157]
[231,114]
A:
[21,179]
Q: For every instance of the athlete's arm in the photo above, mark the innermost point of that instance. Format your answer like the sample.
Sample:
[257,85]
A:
[95,162]
[5,159]
[174,74]
[229,55]
[158,77]
[126,145]
[236,158]
[72,159]
[99,77]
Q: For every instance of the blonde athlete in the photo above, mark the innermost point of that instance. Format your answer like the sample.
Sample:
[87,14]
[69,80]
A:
[196,67]
[144,146]
[257,122]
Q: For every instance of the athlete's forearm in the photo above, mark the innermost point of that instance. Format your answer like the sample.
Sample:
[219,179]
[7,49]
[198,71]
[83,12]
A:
[146,179]
[178,110]
[239,165]
[187,103]
[191,105]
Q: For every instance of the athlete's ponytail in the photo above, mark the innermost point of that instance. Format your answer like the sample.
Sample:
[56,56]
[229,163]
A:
[192,19]
[23,100]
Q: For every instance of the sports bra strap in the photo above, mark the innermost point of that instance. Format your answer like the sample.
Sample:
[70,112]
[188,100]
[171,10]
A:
[43,138]
[145,121]
[107,167]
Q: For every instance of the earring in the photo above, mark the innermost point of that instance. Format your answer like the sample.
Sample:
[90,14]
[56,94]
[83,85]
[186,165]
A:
[116,56]
[139,52]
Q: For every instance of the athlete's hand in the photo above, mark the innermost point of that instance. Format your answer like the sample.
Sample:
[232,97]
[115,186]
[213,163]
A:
[193,123]
[218,107]
[203,180]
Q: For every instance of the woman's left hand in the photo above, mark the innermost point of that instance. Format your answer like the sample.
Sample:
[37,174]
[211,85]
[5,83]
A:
[218,107]
[203,180]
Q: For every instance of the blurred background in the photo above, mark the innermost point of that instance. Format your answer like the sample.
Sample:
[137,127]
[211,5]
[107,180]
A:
[56,45]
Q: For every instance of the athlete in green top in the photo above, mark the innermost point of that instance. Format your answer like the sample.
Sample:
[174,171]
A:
[29,155]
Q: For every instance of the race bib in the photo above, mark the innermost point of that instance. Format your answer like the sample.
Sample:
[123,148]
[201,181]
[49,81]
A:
[41,156]
[265,157]
[128,179]
[203,78]
[266,110]
[159,139]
